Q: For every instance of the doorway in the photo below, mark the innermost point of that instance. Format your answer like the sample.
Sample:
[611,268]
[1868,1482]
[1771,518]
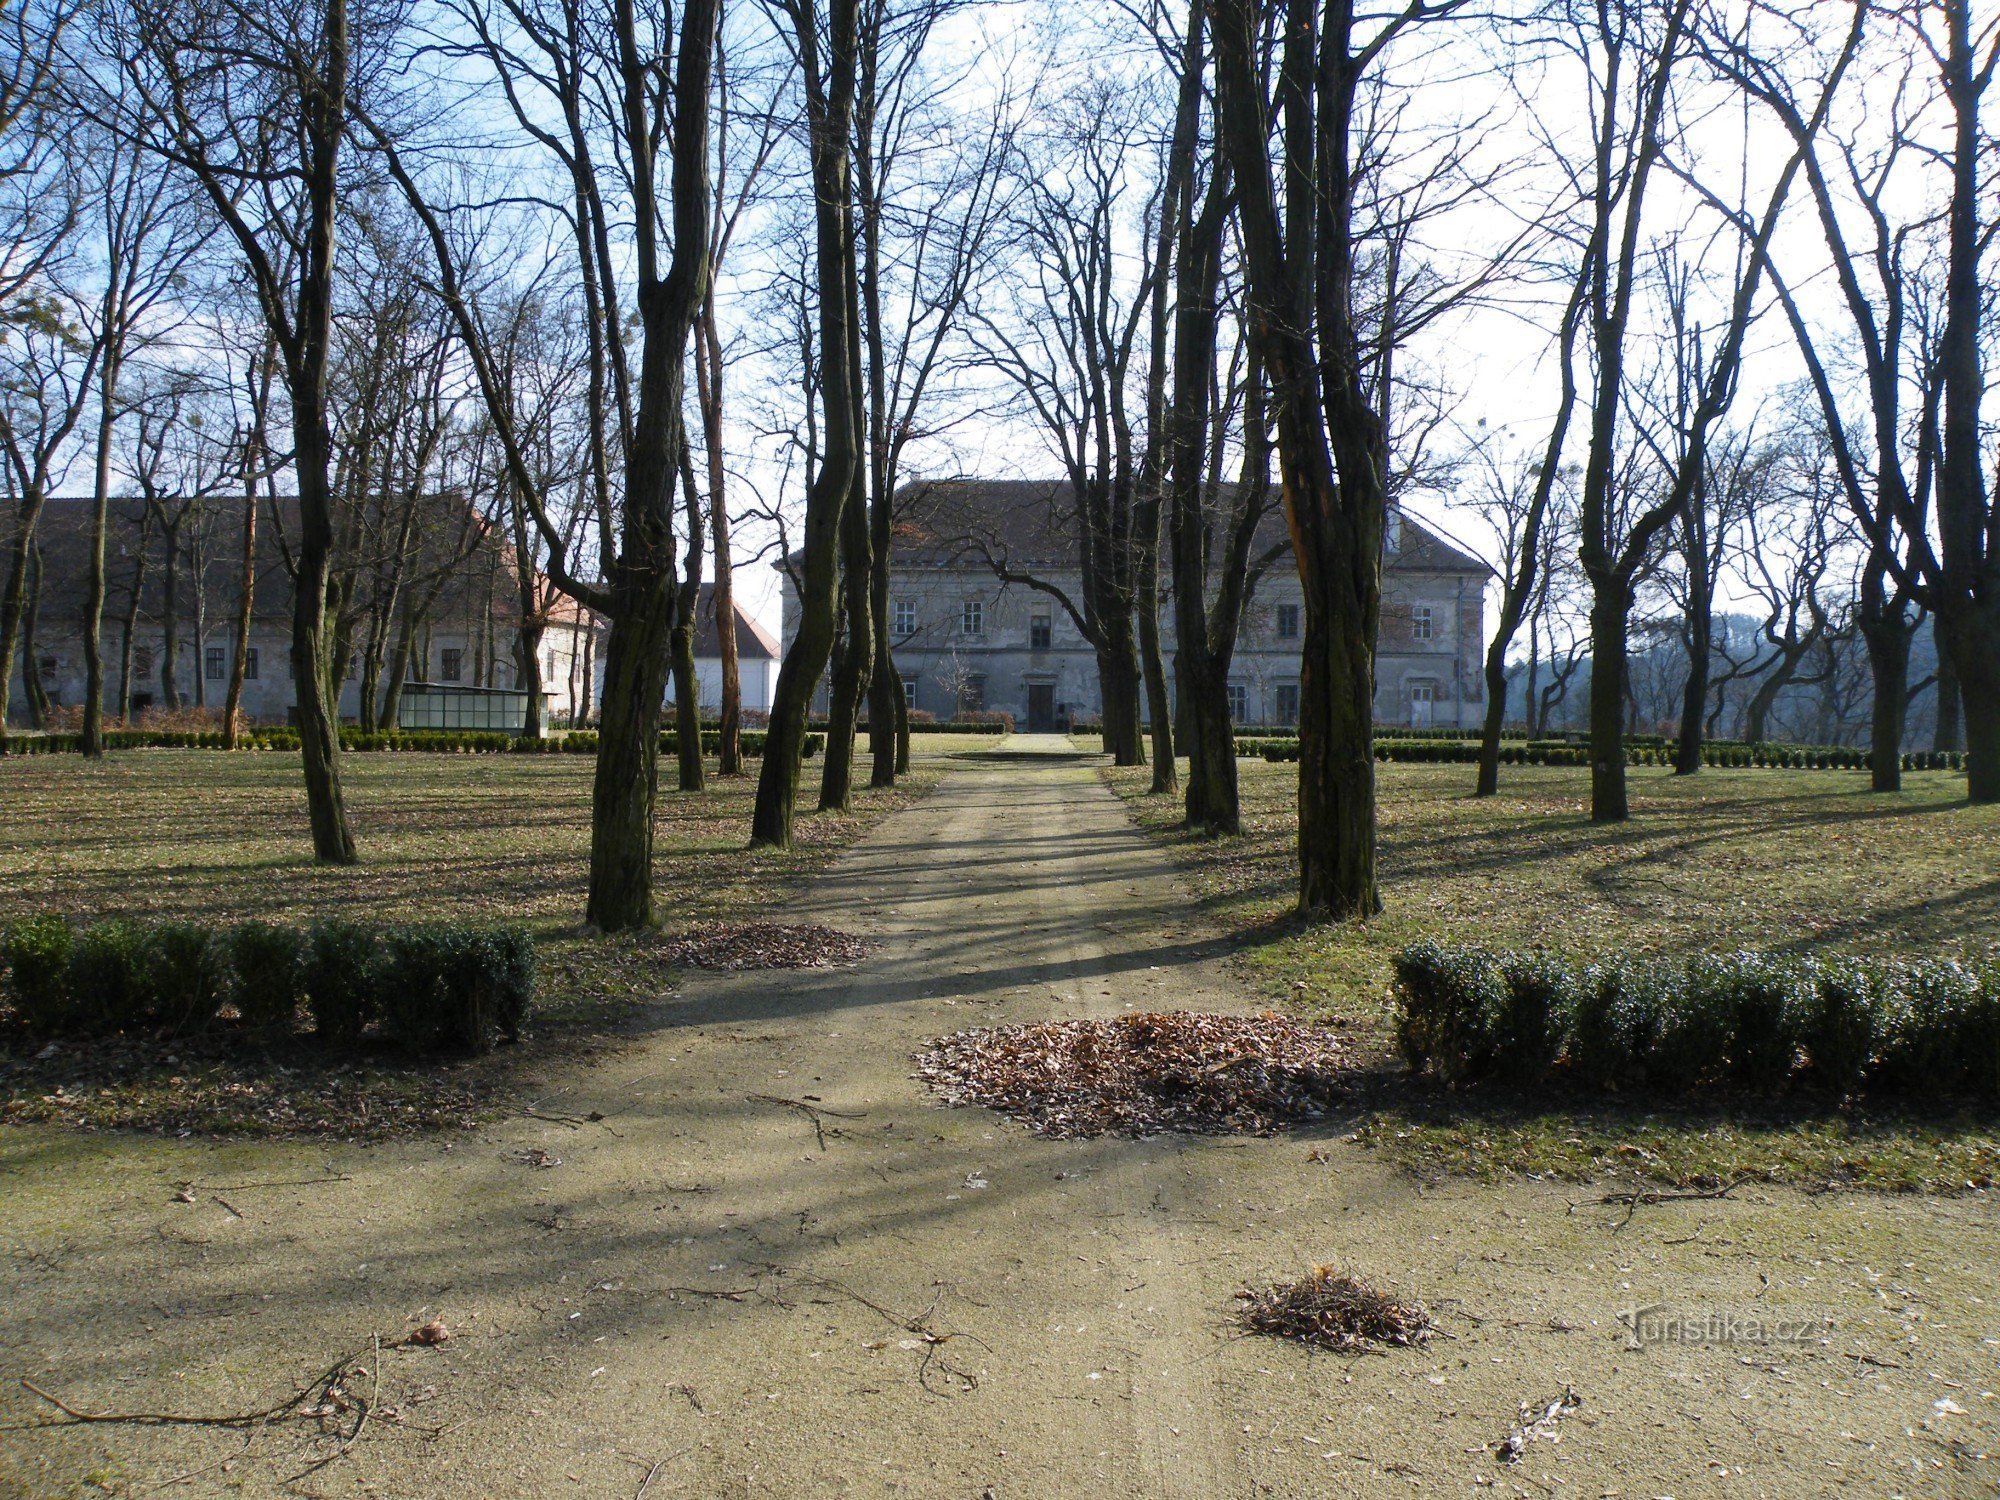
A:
[1041,708]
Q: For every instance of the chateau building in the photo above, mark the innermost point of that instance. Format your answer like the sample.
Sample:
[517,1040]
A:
[965,640]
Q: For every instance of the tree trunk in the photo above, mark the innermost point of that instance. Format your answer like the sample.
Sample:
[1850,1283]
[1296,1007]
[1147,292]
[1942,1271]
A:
[1944,735]
[636,653]
[528,675]
[902,731]
[100,519]
[1694,693]
[1975,640]
[1118,680]
[856,663]
[1159,702]
[37,691]
[708,371]
[830,112]
[246,583]
[1496,719]
[687,705]
[1610,615]
[1888,643]
[13,602]
[399,673]
[1337,750]
[170,620]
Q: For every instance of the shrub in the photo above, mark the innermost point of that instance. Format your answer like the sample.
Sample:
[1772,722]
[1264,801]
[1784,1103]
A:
[1689,1030]
[1763,1001]
[1920,1037]
[1610,1032]
[35,951]
[1534,1021]
[267,963]
[1839,1021]
[339,980]
[1449,996]
[1978,1030]
[450,986]
[109,986]
[186,974]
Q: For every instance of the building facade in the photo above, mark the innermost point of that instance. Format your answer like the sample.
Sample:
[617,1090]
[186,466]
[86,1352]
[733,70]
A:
[963,639]
[757,657]
[168,641]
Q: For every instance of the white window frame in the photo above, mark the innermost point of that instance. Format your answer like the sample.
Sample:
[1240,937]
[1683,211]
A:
[905,617]
[1043,625]
[1423,622]
[1239,702]
[972,617]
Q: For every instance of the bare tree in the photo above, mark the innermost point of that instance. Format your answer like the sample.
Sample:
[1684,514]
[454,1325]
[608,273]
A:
[571,85]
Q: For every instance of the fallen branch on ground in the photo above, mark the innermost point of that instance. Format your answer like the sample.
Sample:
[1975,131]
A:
[1646,1198]
[817,1113]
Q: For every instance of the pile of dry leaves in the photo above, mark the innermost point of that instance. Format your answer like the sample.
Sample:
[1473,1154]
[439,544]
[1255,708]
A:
[764,945]
[1143,1074]
[1331,1310]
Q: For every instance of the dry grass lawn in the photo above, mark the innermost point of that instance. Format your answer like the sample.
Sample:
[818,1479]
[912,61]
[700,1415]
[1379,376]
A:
[1778,861]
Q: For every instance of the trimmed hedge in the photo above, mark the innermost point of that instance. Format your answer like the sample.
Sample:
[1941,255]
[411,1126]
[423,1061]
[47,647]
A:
[432,987]
[1839,1024]
[1462,751]
[436,742]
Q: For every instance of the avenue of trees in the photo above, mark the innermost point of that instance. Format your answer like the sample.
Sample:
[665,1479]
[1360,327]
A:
[1687,307]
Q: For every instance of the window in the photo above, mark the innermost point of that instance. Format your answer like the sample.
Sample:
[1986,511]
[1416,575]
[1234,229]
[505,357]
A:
[1288,622]
[1239,703]
[215,663]
[552,664]
[142,661]
[1423,623]
[972,618]
[909,692]
[250,665]
[1423,701]
[1287,703]
[1039,630]
[906,617]
[450,669]
[973,699]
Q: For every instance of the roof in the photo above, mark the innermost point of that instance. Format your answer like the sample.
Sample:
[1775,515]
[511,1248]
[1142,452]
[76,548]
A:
[1032,522]
[211,551]
[753,641]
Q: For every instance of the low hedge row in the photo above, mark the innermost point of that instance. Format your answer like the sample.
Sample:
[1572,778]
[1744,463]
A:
[447,742]
[1563,753]
[434,987]
[1757,1022]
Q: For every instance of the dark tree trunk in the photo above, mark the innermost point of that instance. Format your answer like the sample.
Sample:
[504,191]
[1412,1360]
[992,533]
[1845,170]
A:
[856,663]
[708,377]
[37,691]
[246,585]
[528,667]
[1159,702]
[1694,693]
[1488,783]
[1118,679]
[130,622]
[687,706]
[1945,737]
[170,619]
[830,112]
[1888,642]
[1975,638]
[94,589]
[902,732]
[1610,620]
[399,672]
[13,601]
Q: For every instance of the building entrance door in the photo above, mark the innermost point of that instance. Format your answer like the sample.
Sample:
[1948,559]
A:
[1041,708]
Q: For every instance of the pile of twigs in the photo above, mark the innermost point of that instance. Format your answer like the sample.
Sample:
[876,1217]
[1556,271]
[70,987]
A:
[1331,1310]
[765,945]
[1143,1074]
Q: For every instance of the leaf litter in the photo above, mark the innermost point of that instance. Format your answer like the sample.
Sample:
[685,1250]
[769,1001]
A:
[1331,1309]
[765,945]
[1144,1074]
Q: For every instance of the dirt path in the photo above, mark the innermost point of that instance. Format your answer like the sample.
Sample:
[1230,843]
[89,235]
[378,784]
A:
[931,1302]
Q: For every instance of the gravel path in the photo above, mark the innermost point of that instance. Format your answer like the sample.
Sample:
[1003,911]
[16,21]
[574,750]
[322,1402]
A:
[776,1268]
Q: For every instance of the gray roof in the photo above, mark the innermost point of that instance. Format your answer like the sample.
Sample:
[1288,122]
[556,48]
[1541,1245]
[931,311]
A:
[1032,523]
